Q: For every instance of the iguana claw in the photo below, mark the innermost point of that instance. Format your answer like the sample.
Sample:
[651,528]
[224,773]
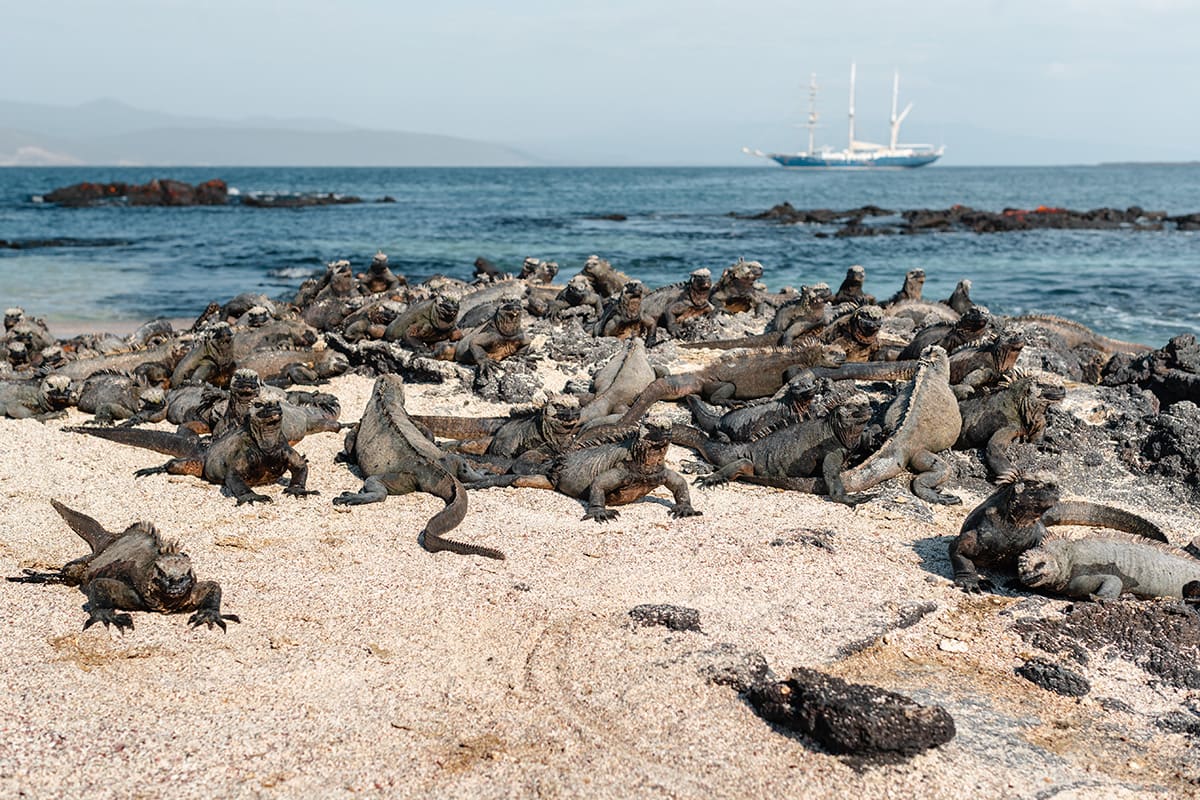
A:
[253,497]
[141,473]
[296,491]
[109,617]
[684,511]
[211,617]
[602,514]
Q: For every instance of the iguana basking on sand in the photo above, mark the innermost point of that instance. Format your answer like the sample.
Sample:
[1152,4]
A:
[255,454]
[744,375]
[756,418]
[135,570]
[290,366]
[43,399]
[552,426]
[805,456]
[113,396]
[210,361]
[395,458]
[1014,519]
[923,420]
[611,470]
[245,388]
[1015,412]
[1106,567]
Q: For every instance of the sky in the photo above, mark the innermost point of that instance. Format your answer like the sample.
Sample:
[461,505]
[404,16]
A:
[642,81]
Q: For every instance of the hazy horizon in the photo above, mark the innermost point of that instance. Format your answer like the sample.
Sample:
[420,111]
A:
[647,83]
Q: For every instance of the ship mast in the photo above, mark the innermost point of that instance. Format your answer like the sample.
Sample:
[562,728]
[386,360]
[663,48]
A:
[812,114]
[851,145]
[896,120]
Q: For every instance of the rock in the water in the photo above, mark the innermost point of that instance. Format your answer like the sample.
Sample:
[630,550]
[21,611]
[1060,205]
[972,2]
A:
[1054,677]
[852,719]
[677,618]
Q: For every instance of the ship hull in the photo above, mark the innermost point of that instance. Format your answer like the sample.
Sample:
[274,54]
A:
[839,161]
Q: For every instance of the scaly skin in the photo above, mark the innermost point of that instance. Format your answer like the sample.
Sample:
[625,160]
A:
[40,400]
[670,306]
[623,316]
[1104,567]
[969,328]
[211,361]
[924,420]
[1016,412]
[619,382]
[1015,517]
[425,324]
[756,418]
[395,458]
[495,340]
[1076,334]
[742,376]
[136,570]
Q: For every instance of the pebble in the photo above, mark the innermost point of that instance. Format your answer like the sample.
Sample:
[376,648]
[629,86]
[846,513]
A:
[952,646]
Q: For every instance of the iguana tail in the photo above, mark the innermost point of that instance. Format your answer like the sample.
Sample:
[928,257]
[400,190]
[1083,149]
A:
[665,388]
[881,466]
[33,576]
[869,371]
[460,427]
[87,528]
[1081,512]
[771,339]
[449,489]
[171,444]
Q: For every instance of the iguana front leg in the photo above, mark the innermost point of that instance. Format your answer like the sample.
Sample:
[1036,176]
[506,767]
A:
[105,597]
[1096,587]
[238,487]
[206,600]
[598,491]
[996,452]
[297,486]
[679,490]
[932,472]
[730,472]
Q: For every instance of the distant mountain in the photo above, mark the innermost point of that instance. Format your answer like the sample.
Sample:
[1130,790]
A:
[110,132]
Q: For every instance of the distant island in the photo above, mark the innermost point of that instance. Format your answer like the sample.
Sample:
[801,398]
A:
[120,135]
[1149,164]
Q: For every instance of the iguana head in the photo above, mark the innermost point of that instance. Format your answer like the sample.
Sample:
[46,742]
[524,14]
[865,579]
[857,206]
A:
[508,318]
[219,344]
[595,265]
[1043,567]
[445,308]
[57,391]
[914,280]
[700,282]
[13,317]
[630,300]
[866,322]
[856,276]
[379,264]
[265,418]
[974,320]
[257,316]
[18,353]
[849,415]
[341,277]
[173,578]
[152,399]
[816,296]
[1024,498]
[577,288]
[383,313]
[529,266]
[53,356]
[245,385]
[802,388]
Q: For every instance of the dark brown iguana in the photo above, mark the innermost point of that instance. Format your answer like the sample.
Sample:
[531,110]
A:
[1015,412]
[135,570]
[396,458]
[255,454]
[923,420]
[426,323]
[670,306]
[738,289]
[113,396]
[210,361]
[857,333]
[950,336]
[623,316]
[1014,518]
[960,299]
[851,290]
[378,277]
[604,279]
[495,340]
[553,425]
[612,470]
[805,456]
[1106,566]
[743,424]
[741,375]
[914,282]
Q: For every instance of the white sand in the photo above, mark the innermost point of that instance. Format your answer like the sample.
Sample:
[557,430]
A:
[365,666]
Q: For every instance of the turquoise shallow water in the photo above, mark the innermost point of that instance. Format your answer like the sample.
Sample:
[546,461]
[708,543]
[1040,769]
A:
[136,263]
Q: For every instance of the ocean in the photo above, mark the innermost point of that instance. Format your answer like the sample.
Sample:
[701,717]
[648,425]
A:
[123,263]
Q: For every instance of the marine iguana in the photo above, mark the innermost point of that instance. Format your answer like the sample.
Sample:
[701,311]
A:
[1076,334]
[623,316]
[135,570]
[211,361]
[610,470]
[426,323]
[554,425]
[914,282]
[807,314]
[378,278]
[960,299]
[743,376]
[1015,517]
[923,420]
[371,321]
[950,336]
[113,396]
[576,299]
[495,340]
[757,417]
[1107,566]
[255,454]
[245,388]
[1014,412]
[618,383]
[857,333]
[670,306]
[604,279]
[851,290]
[41,400]
[738,289]
[395,458]
[805,456]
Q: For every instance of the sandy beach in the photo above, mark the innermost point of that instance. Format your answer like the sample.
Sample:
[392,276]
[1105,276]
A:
[365,666]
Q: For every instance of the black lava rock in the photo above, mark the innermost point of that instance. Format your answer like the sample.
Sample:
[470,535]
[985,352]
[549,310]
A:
[852,719]
[677,618]
[1054,678]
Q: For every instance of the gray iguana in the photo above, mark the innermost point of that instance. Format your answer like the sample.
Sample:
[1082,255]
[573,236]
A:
[45,399]
[396,458]
[1107,566]
[790,404]
[135,570]
[1015,412]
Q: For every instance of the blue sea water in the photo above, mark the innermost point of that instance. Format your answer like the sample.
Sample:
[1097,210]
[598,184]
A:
[128,263]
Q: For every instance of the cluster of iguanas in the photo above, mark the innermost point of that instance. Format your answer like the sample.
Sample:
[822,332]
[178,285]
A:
[836,396]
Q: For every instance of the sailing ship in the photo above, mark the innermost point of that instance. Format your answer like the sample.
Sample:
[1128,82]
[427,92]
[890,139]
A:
[858,153]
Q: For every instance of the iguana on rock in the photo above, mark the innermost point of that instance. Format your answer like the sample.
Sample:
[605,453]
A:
[857,333]
[670,306]
[604,279]
[923,420]
[41,400]
[612,470]
[741,375]
[1014,519]
[255,454]
[758,417]
[738,289]
[426,323]
[1016,412]
[805,456]
[135,570]
[378,277]
[618,383]
[960,299]
[396,458]
[623,316]
[950,336]
[495,340]
[914,282]
[851,290]
[808,314]
[1107,566]
[1076,334]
